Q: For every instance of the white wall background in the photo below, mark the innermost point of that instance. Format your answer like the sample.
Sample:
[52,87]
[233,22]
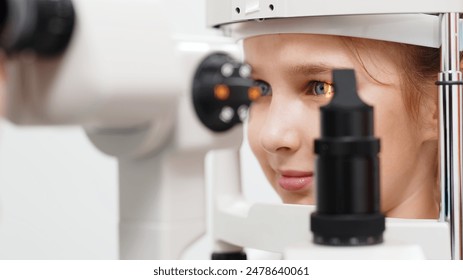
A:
[58,195]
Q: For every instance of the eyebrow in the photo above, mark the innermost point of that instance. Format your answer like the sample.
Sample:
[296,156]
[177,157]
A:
[310,69]
[307,69]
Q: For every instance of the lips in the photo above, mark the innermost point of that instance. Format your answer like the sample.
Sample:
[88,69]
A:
[295,180]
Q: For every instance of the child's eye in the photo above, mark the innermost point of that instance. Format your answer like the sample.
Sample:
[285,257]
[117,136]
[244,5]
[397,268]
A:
[264,87]
[319,88]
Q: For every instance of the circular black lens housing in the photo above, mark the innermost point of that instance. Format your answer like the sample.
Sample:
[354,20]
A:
[220,92]
[42,26]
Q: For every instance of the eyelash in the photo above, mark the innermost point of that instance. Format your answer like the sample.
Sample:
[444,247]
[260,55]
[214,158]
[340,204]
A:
[266,89]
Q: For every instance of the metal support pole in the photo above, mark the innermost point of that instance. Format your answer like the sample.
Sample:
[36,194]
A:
[450,124]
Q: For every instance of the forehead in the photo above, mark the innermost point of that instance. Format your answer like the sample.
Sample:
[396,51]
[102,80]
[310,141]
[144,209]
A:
[293,48]
[284,41]
[280,52]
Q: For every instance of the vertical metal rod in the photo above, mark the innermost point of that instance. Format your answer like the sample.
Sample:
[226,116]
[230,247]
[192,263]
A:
[450,103]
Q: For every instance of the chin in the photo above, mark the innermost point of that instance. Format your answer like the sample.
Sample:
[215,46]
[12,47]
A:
[306,200]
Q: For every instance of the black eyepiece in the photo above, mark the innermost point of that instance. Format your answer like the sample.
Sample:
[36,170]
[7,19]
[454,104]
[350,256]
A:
[42,26]
[348,211]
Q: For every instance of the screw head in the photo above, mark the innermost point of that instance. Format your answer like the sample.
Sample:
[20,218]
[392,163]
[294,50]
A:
[245,71]
[227,70]
[226,114]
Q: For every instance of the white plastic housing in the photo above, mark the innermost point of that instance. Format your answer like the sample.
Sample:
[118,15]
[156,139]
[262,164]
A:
[179,129]
[232,11]
[162,202]
[119,70]
[411,21]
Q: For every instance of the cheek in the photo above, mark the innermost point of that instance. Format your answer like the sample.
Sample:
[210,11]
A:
[255,123]
[399,144]
[253,134]
[257,116]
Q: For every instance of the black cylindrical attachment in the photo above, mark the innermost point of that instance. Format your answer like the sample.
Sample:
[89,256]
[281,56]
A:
[42,26]
[347,170]
[222,92]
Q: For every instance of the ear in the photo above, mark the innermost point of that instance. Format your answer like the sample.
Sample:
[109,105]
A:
[428,118]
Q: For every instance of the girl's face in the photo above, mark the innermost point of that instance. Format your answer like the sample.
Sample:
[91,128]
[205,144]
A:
[295,73]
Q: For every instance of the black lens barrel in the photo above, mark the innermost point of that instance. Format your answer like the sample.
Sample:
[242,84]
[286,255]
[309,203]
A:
[347,170]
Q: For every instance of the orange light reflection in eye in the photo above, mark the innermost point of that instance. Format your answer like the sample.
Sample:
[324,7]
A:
[329,90]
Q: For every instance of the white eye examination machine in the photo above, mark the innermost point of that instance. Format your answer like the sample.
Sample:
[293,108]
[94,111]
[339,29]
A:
[159,100]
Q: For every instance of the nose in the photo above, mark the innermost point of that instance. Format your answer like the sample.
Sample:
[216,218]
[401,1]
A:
[281,130]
